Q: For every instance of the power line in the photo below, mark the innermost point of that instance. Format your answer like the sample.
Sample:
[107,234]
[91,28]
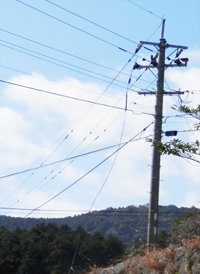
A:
[64,66]
[144,9]
[60,83]
[42,164]
[44,55]
[66,159]
[98,212]
[23,72]
[100,96]
[87,173]
[75,253]
[64,22]
[58,50]
[154,31]
[111,165]
[62,95]
[92,22]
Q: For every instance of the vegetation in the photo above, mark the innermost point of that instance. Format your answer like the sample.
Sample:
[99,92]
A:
[170,260]
[186,226]
[178,147]
[49,249]
[180,255]
[52,249]
[128,224]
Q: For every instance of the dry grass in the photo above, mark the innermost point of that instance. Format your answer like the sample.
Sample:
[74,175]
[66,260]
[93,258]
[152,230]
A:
[158,259]
[195,242]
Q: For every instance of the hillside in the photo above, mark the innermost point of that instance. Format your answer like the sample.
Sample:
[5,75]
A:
[49,248]
[173,259]
[128,223]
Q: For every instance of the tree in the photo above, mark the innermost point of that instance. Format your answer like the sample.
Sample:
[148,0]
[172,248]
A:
[176,147]
[186,226]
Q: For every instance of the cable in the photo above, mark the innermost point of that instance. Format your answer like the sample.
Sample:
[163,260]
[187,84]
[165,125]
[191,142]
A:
[98,212]
[80,178]
[92,35]
[61,171]
[91,22]
[75,253]
[34,170]
[145,9]
[57,60]
[58,50]
[109,85]
[154,31]
[22,200]
[63,160]
[44,78]
[23,72]
[62,65]
[62,95]
[111,166]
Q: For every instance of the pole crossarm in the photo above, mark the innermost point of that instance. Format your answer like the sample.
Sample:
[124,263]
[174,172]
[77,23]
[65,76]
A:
[166,66]
[166,45]
[164,92]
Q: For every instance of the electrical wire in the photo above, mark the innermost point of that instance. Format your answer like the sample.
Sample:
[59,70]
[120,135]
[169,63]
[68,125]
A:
[51,62]
[23,72]
[154,31]
[95,24]
[75,254]
[63,160]
[62,95]
[80,154]
[58,50]
[112,166]
[104,92]
[99,212]
[59,172]
[44,78]
[72,26]
[34,170]
[87,173]
[22,200]
[145,9]
[54,59]
[70,162]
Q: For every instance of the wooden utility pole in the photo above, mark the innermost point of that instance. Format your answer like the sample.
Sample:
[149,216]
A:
[155,175]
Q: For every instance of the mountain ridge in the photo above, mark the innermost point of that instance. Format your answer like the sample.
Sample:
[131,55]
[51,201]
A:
[128,224]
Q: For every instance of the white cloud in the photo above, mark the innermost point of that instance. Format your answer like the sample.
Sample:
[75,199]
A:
[35,123]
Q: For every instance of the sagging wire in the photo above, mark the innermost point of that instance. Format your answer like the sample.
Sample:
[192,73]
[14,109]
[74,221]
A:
[72,26]
[83,176]
[111,168]
[137,49]
[145,9]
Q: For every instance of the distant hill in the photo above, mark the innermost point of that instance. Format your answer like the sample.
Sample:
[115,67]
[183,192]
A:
[128,224]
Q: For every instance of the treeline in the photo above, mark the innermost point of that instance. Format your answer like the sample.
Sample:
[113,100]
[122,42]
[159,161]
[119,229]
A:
[52,249]
[128,224]
[48,248]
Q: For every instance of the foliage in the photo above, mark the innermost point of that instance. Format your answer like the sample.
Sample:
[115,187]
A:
[186,226]
[127,224]
[180,148]
[47,248]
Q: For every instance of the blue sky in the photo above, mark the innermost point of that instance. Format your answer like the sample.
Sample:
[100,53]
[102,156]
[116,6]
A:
[75,50]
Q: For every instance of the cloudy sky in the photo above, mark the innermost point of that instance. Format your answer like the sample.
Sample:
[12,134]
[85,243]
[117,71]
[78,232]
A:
[64,75]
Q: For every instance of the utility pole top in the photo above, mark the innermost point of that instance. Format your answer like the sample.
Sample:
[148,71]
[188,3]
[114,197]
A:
[163,28]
